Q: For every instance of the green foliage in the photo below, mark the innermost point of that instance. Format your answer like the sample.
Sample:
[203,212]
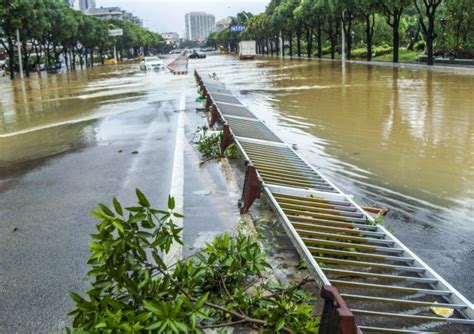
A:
[52,27]
[448,28]
[135,289]
[420,46]
[209,147]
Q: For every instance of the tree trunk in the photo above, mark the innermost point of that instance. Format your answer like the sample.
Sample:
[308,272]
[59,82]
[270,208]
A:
[73,58]
[309,41]
[290,40]
[318,38]
[48,55]
[37,54]
[26,57]
[396,39]
[429,41]
[282,46]
[11,58]
[368,35]
[298,42]
[348,33]
[333,41]
[92,58]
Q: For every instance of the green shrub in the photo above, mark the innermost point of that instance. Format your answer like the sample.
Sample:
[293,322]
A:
[420,46]
[209,146]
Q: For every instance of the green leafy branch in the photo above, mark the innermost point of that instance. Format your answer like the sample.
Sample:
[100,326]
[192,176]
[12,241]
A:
[134,290]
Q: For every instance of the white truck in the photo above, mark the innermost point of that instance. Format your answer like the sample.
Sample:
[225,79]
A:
[247,50]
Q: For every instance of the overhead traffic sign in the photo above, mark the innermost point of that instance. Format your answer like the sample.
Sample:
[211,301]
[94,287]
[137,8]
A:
[115,32]
[237,28]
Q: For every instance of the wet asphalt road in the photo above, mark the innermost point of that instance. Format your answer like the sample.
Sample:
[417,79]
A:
[44,220]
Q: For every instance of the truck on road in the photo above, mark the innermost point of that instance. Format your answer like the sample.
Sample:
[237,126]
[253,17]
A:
[247,50]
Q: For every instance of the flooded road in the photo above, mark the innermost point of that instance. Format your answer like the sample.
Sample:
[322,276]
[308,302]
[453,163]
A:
[35,112]
[397,138]
[73,140]
[401,138]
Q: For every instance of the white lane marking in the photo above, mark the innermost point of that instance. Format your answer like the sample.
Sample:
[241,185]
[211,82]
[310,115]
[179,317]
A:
[177,181]
[53,125]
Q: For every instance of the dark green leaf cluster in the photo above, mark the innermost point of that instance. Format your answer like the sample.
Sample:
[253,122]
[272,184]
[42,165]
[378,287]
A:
[135,289]
[209,147]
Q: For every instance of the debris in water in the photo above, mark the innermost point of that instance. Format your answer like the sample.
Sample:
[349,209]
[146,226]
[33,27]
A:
[120,151]
[444,312]
[15,229]
[134,152]
[202,192]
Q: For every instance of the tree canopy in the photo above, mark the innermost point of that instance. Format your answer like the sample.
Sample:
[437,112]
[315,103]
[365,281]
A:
[437,27]
[51,29]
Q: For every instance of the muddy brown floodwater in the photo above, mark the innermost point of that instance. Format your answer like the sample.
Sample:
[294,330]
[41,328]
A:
[46,116]
[396,137]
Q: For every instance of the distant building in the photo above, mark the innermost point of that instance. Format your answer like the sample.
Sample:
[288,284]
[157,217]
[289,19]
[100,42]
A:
[113,13]
[85,5]
[199,25]
[222,24]
[170,38]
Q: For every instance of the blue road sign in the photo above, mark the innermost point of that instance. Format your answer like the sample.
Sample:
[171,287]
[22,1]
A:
[237,28]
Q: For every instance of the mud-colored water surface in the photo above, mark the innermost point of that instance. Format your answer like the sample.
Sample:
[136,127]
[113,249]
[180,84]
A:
[43,116]
[407,132]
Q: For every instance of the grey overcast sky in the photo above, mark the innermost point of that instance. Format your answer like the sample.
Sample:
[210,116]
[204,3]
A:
[168,15]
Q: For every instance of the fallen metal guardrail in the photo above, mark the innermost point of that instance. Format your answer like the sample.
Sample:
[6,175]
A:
[179,66]
[387,287]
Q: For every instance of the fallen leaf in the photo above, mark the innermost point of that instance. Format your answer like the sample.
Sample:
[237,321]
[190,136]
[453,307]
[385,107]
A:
[444,312]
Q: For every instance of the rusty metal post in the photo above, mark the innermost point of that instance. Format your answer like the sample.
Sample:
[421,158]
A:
[208,101]
[227,138]
[214,115]
[252,188]
[337,318]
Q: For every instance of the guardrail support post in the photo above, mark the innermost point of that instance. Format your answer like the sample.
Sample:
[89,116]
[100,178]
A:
[208,101]
[227,138]
[214,115]
[337,318]
[252,188]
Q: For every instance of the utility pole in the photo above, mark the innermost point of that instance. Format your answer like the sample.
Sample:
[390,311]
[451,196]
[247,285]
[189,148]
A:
[18,46]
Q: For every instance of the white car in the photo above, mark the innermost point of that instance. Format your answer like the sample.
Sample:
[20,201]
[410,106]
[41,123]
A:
[152,63]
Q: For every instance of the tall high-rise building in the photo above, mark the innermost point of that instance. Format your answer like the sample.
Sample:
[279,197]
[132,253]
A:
[84,5]
[199,25]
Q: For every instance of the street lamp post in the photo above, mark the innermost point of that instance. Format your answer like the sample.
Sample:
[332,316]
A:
[18,46]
